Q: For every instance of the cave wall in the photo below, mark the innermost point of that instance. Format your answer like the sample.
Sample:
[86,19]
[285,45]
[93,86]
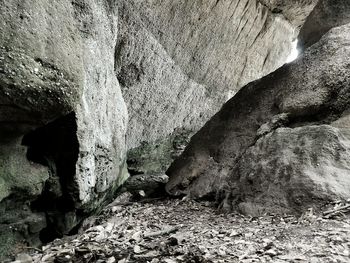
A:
[41,73]
[101,114]
[66,68]
[62,117]
[178,62]
[295,11]
[281,144]
[325,16]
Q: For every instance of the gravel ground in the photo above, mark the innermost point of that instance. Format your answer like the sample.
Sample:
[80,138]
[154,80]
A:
[186,231]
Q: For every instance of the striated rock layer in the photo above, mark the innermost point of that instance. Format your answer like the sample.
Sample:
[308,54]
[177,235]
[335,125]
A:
[281,143]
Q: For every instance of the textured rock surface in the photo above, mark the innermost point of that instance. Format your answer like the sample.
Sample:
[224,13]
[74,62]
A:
[178,62]
[326,15]
[148,185]
[21,182]
[41,73]
[294,11]
[63,119]
[60,96]
[301,166]
[243,155]
[61,100]
[101,114]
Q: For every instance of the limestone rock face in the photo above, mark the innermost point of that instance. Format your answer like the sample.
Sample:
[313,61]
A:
[301,166]
[41,63]
[295,11]
[326,15]
[101,113]
[63,120]
[282,142]
[179,61]
[62,116]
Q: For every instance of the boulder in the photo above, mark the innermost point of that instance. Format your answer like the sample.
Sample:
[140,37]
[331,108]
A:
[151,185]
[326,15]
[295,168]
[282,142]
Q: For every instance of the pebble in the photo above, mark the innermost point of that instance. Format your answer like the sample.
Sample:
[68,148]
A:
[137,236]
[222,251]
[109,227]
[111,260]
[137,249]
[234,233]
[214,232]
[271,252]
[248,234]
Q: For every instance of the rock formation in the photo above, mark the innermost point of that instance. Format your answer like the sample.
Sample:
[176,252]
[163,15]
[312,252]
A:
[66,68]
[294,11]
[281,143]
[326,15]
[178,62]
[62,116]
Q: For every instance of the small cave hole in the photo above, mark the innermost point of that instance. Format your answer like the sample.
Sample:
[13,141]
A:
[55,146]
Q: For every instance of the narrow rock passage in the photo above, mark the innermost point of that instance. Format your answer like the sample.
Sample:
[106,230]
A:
[186,231]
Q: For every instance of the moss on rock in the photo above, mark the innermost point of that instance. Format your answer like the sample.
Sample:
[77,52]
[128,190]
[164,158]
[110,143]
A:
[155,157]
[17,173]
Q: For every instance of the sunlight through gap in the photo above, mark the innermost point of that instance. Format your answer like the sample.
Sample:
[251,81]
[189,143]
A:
[294,53]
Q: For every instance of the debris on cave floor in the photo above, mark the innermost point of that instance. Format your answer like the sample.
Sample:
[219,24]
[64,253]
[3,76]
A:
[170,231]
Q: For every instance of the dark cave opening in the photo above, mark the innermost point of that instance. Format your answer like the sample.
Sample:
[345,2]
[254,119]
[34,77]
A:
[56,146]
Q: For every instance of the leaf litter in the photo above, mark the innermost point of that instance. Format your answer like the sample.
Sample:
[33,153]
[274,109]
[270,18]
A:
[170,231]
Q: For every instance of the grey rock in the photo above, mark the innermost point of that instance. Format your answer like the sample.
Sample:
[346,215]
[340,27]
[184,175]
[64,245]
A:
[18,172]
[325,16]
[244,154]
[154,157]
[178,62]
[63,120]
[101,113]
[41,77]
[219,44]
[62,116]
[295,11]
[151,184]
[301,166]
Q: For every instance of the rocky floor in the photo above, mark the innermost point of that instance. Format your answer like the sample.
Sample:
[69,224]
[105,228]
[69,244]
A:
[172,231]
